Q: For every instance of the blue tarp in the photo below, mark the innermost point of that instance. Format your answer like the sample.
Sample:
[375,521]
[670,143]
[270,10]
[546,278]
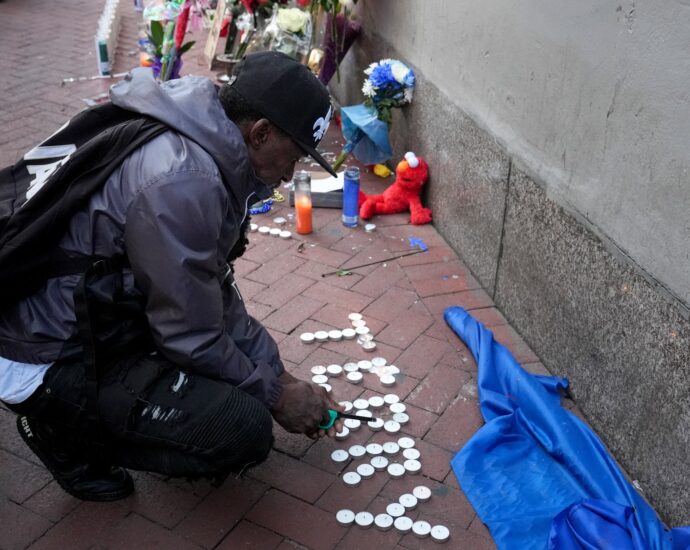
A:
[539,477]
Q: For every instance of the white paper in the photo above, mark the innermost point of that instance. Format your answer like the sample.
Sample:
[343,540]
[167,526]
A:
[324,185]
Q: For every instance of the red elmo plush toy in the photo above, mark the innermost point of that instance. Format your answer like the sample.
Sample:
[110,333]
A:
[410,176]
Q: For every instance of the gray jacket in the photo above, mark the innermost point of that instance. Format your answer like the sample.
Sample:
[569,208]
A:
[174,207]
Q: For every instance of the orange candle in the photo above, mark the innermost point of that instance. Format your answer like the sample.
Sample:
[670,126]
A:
[303,211]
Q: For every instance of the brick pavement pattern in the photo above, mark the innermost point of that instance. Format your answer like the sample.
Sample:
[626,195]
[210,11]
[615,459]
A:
[290,500]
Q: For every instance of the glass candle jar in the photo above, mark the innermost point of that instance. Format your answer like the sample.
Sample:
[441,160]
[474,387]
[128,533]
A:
[302,188]
[351,197]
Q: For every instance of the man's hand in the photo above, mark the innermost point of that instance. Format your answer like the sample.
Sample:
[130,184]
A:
[302,407]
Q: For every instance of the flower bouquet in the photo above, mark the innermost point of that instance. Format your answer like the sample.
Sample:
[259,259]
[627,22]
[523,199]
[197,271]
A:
[168,24]
[389,83]
[289,32]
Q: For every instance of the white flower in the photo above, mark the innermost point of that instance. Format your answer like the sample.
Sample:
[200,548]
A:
[347,5]
[370,69]
[408,93]
[399,71]
[292,19]
[368,89]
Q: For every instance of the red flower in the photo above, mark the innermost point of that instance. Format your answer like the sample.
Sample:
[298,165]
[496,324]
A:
[303,3]
[181,27]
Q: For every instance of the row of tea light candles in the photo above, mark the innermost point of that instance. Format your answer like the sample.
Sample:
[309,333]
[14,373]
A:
[359,329]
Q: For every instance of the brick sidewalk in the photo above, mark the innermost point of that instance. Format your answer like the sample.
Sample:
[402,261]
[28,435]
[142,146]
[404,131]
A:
[291,500]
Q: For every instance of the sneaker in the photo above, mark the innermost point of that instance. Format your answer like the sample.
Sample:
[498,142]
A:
[80,479]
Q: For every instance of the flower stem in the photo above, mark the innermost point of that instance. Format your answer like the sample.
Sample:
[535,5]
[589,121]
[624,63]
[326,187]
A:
[348,269]
[168,44]
[313,12]
[334,33]
[342,38]
[339,160]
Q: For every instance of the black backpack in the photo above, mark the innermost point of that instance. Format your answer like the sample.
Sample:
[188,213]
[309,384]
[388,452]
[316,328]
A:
[40,193]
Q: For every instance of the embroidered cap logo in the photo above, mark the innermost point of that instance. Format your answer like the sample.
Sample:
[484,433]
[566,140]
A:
[321,125]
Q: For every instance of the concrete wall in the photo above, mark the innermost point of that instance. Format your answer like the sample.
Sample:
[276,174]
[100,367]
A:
[556,133]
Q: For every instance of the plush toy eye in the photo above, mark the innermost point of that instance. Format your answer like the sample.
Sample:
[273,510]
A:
[412,159]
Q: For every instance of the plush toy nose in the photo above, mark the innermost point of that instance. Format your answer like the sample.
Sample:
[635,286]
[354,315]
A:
[402,166]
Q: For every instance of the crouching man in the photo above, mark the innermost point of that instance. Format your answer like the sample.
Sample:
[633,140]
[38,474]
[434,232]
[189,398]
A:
[149,360]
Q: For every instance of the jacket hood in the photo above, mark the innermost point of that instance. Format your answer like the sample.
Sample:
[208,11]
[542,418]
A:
[190,106]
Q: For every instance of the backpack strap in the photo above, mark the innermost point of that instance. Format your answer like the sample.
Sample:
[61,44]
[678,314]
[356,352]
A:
[85,310]
[62,264]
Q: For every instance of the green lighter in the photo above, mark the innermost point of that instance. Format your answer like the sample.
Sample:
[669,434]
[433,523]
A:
[334,415]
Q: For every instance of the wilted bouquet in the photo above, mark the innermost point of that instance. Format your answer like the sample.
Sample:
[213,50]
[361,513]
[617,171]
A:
[389,83]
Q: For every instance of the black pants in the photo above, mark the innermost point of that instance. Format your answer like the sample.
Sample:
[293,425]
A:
[153,417]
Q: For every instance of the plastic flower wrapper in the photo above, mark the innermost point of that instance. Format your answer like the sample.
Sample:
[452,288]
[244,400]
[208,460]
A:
[365,134]
[173,70]
[246,27]
[389,83]
[162,10]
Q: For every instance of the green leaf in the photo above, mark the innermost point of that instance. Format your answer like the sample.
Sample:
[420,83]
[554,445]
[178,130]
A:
[343,273]
[156,33]
[156,49]
[186,47]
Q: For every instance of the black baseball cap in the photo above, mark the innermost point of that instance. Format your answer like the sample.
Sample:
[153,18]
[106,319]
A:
[289,95]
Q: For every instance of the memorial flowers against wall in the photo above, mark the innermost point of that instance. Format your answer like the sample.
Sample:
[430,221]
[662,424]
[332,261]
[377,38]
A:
[167,26]
[389,84]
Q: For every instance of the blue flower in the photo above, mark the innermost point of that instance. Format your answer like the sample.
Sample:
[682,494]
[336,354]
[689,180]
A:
[382,76]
